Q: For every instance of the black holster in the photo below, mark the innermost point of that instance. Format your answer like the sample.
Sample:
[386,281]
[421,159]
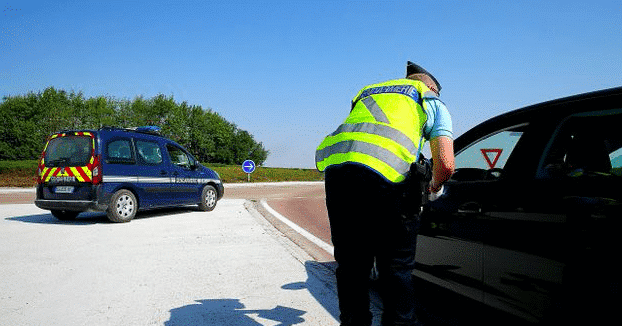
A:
[415,194]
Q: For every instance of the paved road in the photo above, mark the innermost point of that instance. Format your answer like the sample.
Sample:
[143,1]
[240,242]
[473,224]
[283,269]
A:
[166,267]
[300,202]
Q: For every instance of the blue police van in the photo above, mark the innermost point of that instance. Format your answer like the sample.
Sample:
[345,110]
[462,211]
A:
[120,171]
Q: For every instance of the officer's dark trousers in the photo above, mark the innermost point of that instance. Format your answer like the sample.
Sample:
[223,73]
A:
[366,223]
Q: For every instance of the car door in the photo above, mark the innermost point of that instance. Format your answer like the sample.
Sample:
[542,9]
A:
[491,201]
[185,184]
[154,177]
[550,242]
[451,242]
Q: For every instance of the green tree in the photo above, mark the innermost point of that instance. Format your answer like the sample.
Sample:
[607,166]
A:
[245,147]
[201,142]
[20,137]
[26,121]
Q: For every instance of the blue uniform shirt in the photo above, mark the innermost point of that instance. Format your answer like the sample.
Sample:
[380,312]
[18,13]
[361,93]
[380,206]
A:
[439,119]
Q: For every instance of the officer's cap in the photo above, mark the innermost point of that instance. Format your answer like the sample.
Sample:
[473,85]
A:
[413,68]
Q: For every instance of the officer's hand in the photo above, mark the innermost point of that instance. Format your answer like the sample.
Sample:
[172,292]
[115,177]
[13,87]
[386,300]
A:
[432,196]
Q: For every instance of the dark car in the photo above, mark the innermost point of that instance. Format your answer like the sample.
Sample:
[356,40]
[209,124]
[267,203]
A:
[121,171]
[530,221]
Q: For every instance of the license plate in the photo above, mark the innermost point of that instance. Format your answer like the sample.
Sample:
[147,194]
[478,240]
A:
[64,189]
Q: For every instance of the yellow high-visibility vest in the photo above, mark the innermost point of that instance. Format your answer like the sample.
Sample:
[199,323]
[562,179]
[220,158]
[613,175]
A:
[384,130]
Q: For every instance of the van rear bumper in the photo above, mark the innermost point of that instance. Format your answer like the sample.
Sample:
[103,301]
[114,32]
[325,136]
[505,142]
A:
[70,205]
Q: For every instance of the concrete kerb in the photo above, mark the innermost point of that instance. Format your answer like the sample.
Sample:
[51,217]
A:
[8,190]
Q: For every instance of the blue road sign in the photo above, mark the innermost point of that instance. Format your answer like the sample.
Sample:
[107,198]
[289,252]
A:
[248,166]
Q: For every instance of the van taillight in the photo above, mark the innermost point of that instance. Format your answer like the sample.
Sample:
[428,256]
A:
[40,167]
[97,171]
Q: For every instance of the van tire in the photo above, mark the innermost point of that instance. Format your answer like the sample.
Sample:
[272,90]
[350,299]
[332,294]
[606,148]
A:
[209,197]
[123,206]
[65,215]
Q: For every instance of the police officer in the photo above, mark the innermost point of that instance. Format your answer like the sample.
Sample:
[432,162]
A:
[366,162]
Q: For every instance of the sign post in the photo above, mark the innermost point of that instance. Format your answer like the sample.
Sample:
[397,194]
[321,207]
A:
[248,166]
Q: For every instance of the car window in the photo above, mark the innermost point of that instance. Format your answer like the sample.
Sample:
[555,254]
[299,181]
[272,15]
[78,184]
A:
[589,143]
[179,157]
[69,151]
[149,152]
[616,162]
[487,154]
[120,151]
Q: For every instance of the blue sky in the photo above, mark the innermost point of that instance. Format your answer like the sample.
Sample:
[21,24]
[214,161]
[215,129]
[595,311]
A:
[286,71]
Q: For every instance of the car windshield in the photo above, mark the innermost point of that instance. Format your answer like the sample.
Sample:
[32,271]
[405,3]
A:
[68,151]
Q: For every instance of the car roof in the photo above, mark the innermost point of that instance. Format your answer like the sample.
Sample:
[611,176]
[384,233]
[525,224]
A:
[556,110]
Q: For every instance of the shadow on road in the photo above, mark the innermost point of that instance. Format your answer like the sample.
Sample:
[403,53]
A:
[83,219]
[231,312]
[321,284]
[97,217]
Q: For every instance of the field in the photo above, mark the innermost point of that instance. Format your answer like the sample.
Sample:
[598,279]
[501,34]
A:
[23,174]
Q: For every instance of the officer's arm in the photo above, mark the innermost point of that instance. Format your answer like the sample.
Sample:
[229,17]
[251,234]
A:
[442,148]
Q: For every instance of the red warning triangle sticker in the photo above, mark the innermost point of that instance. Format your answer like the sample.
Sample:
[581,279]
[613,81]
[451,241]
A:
[493,153]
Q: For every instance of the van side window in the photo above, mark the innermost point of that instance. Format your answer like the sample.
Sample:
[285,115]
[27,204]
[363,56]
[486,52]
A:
[179,157]
[149,152]
[120,151]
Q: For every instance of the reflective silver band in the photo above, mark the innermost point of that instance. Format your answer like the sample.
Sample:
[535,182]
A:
[379,130]
[382,154]
[375,110]
[119,179]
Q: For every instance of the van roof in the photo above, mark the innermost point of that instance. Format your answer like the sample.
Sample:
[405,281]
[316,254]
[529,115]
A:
[150,130]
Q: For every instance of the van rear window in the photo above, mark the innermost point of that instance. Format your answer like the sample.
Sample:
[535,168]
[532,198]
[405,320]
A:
[69,151]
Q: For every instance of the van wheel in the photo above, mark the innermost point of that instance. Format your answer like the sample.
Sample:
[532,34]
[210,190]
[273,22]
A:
[122,206]
[65,215]
[208,199]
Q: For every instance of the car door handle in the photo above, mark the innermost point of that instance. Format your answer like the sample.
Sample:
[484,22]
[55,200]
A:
[470,208]
[163,172]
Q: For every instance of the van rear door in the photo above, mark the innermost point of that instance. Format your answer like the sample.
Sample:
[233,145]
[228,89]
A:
[66,166]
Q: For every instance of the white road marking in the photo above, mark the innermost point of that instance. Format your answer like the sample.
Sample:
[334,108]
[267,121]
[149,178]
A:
[330,249]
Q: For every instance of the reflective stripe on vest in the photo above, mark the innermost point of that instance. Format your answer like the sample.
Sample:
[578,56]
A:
[375,110]
[379,152]
[380,130]
[387,140]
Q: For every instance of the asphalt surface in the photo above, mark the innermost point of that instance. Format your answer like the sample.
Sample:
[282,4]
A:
[166,267]
[241,264]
